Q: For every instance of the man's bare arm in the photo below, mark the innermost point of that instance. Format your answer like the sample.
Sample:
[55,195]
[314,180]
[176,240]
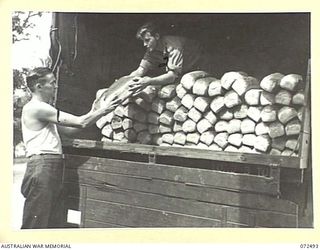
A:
[47,113]
[161,80]
[68,130]
[140,71]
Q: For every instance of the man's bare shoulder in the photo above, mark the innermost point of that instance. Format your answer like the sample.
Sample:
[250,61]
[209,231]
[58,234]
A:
[37,109]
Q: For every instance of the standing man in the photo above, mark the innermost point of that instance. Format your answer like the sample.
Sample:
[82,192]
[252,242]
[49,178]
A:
[177,54]
[42,182]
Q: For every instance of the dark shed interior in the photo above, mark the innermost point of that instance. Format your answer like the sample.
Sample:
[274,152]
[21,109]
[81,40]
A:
[97,48]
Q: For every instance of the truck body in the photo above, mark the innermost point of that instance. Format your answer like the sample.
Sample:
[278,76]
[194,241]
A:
[135,185]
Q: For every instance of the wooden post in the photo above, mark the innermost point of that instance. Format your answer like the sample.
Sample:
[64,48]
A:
[305,137]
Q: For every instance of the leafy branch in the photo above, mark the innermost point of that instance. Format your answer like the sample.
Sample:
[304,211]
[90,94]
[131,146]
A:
[21,22]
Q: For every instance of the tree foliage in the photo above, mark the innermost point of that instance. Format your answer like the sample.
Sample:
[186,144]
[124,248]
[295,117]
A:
[18,78]
[22,23]
[22,26]
[21,96]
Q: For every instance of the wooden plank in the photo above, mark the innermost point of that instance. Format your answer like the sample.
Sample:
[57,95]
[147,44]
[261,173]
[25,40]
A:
[155,201]
[99,224]
[133,216]
[195,208]
[181,190]
[233,215]
[262,218]
[261,159]
[211,178]
[235,225]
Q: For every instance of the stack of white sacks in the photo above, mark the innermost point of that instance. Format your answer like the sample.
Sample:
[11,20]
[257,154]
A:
[236,113]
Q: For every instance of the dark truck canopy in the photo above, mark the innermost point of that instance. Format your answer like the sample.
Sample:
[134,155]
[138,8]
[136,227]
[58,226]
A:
[94,49]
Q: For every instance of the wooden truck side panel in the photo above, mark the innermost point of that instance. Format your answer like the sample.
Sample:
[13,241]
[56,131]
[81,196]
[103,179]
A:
[117,193]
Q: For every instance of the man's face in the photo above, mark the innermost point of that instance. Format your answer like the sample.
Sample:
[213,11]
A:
[49,87]
[150,41]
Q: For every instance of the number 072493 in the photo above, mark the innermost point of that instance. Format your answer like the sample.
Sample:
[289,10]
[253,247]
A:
[309,246]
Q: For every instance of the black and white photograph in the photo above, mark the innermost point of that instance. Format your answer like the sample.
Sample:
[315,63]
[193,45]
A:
[161,120]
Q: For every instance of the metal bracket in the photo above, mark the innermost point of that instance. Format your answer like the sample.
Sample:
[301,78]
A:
[274,165]
[152,158]
[275,174]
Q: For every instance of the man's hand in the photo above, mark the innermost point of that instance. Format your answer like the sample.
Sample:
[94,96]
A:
[139,83]
[95,105]
[112,104]
[108,107]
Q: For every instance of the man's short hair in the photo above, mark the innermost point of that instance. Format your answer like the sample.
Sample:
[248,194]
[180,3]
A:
[35,76]
[147,27]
